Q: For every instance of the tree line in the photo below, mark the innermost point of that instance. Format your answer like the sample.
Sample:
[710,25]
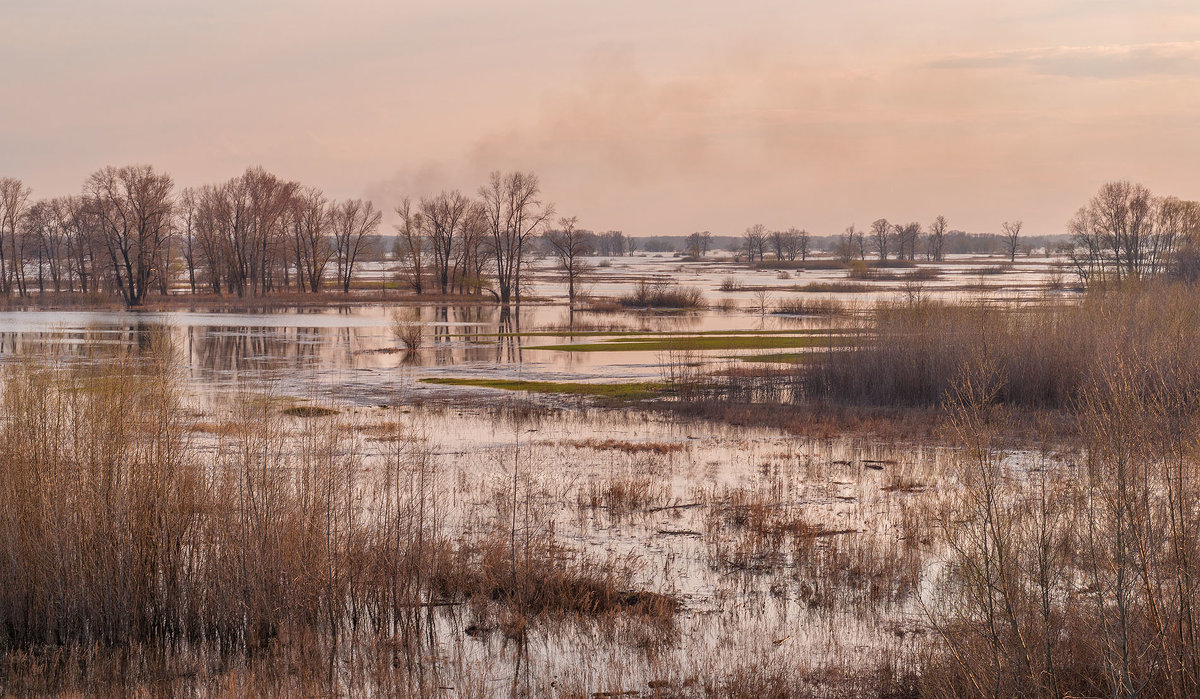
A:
[908,241]
[130,232]
[1126,232]
[452,243]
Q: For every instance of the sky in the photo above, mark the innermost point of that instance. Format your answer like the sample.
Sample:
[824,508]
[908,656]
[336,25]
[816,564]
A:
[652,117]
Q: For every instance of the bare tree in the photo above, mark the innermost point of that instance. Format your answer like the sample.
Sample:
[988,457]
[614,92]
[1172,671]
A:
[443,217]
[82,244]
[937,238]
[410,244]
[1114,234]
[798,244]
[310,221]
[14,200]
[845,246]
[1011,229]
[697,244]
[353,223]
[514,215]
[569,246]
[754,241]
[133,208]
[779,245]
[613,244]
[881,236]
[187,219]
[1178,248]
[906,237]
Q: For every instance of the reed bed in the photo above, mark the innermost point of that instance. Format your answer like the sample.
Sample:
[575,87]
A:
[1042,356]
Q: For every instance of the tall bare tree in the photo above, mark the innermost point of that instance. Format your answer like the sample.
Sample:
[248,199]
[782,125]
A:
[569,245]
[798,242]
[936,244]
[310,223]
[353,223]
[14,201]
[1114,234]
[133,208]
[906,237]
[514,214]
[1011,229]
[443,218]
[186,220]
[779,243]
[881,236]
[410,244]
[754,242]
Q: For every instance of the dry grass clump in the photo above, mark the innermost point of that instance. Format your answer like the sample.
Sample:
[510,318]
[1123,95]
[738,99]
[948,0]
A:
[661,294]
[753,530]
[833,287]
[660,448]
[623,494]
[543,578]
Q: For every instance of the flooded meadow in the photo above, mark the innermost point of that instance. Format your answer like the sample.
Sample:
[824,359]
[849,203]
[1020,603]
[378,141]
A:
[696,556]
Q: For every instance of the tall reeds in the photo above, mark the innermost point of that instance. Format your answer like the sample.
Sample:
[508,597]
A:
[1043,356]
[129,536]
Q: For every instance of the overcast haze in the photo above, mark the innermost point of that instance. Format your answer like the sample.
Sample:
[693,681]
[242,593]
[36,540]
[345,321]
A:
[650,117]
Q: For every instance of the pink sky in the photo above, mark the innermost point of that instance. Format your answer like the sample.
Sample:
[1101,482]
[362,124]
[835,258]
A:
[650,117]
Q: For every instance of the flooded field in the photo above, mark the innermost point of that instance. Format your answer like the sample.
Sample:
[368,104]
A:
[299,349]
[789,560]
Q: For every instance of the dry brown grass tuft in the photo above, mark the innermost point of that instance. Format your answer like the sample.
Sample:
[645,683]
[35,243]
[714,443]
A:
[661,448]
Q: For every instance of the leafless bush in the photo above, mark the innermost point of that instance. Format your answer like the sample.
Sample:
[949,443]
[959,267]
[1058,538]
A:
[406,327]
[810,307]
[1073,578]
[663,295]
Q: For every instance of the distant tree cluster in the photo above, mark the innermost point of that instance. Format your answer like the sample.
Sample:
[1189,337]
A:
[452,243]
[911,241]
[129,232]
[1125,232]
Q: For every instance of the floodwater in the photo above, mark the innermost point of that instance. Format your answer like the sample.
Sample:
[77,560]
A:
[824,609]
[352,352]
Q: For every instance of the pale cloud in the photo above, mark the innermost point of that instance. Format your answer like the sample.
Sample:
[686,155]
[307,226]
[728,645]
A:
[1111,62]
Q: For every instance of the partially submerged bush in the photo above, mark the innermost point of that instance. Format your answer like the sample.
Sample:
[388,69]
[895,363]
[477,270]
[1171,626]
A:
[731,283]
[661,294]
[810,307]
[406,326]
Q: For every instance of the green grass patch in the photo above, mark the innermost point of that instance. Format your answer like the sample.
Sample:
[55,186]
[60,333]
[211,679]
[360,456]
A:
[640,390]
[693,343]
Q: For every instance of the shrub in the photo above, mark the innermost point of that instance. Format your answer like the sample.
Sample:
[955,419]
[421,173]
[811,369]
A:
[663,295]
